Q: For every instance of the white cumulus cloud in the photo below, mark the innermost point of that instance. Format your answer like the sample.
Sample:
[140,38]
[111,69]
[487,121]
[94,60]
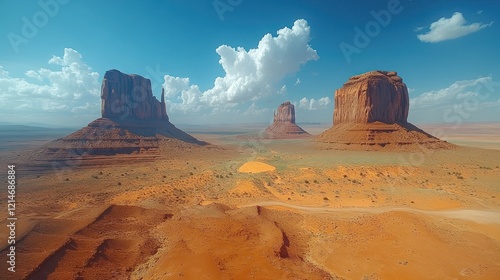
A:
[71,88]
[450,28]
[313,104]
[176,85]
[249,75]
[456,91]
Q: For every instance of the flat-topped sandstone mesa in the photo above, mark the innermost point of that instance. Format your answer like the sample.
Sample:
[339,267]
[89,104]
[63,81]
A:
[371,112]
[283,125]
[374,96]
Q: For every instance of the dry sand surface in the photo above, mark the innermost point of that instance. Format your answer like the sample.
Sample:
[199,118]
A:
[255,167]
[262,209]
[481,135]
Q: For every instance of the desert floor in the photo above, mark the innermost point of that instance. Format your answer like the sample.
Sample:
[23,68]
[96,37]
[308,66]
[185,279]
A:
[265,209]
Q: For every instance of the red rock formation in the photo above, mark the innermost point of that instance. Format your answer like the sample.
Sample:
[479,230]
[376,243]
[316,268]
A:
[128,101]
[374,96]
[284,125]
[285,113]
[371,112]
[133,122]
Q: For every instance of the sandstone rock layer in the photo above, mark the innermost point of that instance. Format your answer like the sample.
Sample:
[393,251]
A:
[94,144]
[283,125]
[371,112]
[380,136]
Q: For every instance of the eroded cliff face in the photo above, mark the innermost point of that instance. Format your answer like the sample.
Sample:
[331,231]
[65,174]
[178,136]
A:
[130,97]
[374,96]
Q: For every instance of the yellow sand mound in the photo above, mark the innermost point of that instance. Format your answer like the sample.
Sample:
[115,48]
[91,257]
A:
[255,167]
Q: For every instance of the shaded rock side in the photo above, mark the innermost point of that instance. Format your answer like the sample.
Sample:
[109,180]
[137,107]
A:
[130,97]
[283,125]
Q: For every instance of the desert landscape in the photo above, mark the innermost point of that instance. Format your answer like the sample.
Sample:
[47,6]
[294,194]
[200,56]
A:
[140,199]
[234,140]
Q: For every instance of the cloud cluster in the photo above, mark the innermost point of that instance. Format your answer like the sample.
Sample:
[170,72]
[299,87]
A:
[249,75]
[467,99]
[450,28]
[72,88]
[313,104]
[452,94]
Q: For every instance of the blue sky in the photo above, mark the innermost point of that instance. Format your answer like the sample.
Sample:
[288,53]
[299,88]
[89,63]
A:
[217,64]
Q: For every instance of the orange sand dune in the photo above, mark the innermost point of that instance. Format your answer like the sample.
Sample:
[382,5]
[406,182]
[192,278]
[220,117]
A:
[256,167]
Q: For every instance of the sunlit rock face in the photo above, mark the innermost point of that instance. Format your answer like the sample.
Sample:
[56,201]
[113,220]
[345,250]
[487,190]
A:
[374,96]
[371,113]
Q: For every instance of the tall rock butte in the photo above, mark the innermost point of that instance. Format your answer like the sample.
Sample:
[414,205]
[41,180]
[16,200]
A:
[371,113]
[130,97]
[283,125]
[128,101]
[133,122]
